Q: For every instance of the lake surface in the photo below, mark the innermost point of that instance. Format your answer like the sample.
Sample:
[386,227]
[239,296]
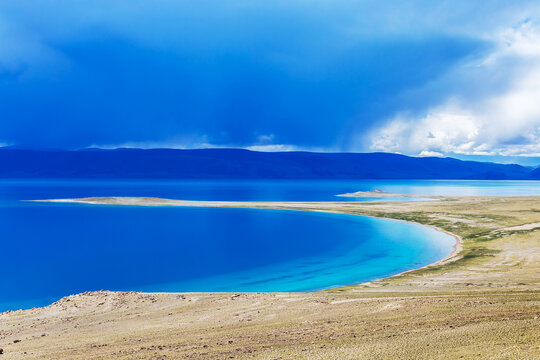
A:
[52,250]
[272,190]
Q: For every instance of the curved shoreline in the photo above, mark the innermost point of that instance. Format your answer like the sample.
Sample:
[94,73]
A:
[134,201]
[459,308]
[456,248]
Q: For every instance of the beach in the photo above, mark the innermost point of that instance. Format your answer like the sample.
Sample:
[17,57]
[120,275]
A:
[481,301]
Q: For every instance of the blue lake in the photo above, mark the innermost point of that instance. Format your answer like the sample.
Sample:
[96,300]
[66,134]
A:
[52,250]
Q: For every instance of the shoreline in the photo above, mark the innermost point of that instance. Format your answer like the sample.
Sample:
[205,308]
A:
[456,248]
[451,257]
[463,308]
[278,205]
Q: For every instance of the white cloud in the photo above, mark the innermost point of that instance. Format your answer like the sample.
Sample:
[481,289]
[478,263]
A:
[272,147]
[431,153]
[202,145]
[202,142]
[504,122]
[265,143]
[187,141]
[442,130]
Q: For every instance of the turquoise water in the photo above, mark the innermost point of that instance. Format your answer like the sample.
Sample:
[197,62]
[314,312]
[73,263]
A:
[52,250]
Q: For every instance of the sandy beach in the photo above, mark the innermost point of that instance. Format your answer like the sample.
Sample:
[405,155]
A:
[482,301]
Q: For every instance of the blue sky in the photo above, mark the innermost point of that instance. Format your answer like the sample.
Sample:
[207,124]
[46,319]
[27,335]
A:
[420,77]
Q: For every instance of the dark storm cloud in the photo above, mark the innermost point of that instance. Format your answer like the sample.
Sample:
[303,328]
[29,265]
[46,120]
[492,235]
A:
[77,74]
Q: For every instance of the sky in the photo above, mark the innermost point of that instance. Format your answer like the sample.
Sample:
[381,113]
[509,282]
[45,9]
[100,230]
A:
[424,78]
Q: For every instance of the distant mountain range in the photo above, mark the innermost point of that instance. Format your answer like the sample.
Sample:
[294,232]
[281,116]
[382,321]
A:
[244,164]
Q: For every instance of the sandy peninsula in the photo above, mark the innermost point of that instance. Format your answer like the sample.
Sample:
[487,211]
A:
[383,194]
[482,302]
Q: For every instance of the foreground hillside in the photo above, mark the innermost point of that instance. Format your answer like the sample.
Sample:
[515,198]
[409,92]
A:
[244,164]
[483,303]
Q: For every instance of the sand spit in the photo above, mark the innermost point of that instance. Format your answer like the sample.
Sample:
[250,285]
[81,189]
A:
[383,194]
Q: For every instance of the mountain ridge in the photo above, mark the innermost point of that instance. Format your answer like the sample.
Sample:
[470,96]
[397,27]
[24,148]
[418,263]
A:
[221,163]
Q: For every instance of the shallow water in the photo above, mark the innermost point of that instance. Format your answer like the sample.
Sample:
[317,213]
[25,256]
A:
[52,250]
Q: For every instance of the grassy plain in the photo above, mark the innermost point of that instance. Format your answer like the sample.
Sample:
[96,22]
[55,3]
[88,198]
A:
[481,303]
